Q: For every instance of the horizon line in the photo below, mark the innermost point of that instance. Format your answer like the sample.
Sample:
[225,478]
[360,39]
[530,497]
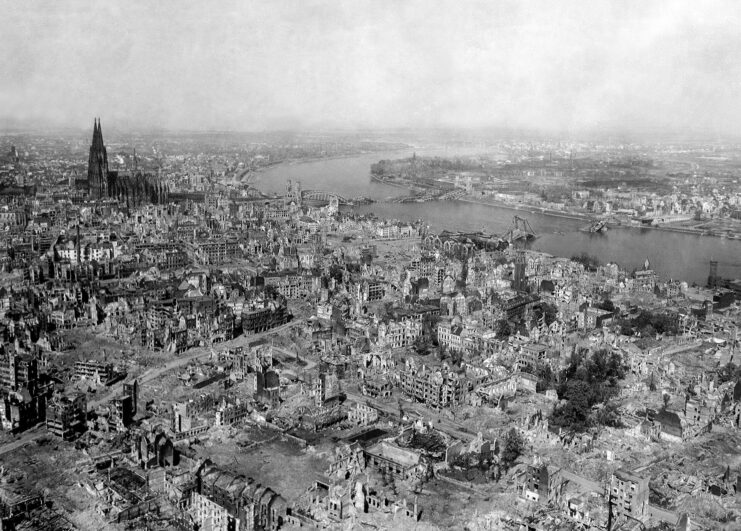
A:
[634,134]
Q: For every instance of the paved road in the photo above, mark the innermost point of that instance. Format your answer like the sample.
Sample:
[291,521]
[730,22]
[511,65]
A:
[184,359]
[25,438]
[310,363]
[440,422]
[147,376]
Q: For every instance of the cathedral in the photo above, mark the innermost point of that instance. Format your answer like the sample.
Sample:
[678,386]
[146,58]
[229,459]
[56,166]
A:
[130,188]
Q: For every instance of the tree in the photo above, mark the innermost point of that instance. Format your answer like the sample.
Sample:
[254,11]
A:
[551,312]
[502,328]
[574,413]
[648,331]
[548,311]
[589,262]
[652,323]
[625,328]
[609,416]
[728,373]
[514,446]
[546,378]
[587,382]
[422,345]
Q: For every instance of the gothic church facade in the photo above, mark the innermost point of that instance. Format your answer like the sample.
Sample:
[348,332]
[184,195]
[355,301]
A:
[130,188]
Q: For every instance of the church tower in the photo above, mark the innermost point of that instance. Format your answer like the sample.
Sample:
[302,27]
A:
[97,167]
[520,281]
[713,276]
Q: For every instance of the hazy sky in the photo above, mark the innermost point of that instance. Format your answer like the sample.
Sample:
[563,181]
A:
[248,65]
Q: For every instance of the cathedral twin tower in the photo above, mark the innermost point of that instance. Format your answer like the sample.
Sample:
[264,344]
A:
[130,188]
[97,166]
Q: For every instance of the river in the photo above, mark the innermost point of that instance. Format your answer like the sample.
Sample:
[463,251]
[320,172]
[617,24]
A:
[673,255]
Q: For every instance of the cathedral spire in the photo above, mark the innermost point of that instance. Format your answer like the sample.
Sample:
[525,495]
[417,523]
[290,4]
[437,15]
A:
[97,164]
[97,134]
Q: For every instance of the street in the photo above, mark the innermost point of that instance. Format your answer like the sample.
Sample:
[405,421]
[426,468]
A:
[25,438]
[147,376]
[439,421]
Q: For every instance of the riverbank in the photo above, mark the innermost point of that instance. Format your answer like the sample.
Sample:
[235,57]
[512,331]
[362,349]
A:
[673,254]
[681,230]
[499,204]
[588,219]
[309,160]
[532,209]
[528,208]
[403,186]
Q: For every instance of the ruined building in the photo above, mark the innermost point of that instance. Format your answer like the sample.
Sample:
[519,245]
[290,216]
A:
[628,496]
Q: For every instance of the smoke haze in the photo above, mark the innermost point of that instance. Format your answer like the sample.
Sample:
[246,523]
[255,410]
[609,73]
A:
[245,65]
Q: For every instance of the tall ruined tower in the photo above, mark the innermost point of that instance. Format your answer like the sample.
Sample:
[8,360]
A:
[97,166]
[713,276]
[520,280]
